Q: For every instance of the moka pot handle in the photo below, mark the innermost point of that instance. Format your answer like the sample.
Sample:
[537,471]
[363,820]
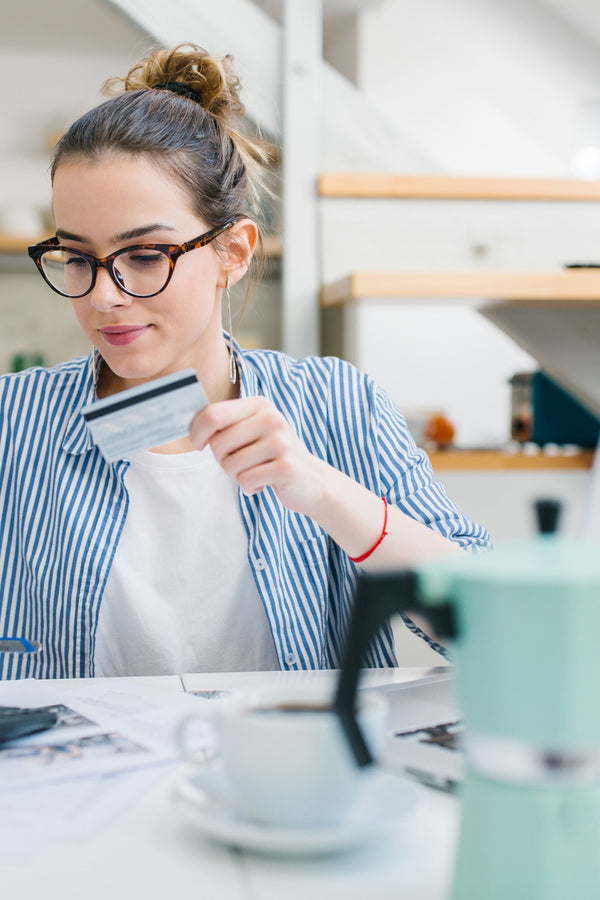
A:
[377,597]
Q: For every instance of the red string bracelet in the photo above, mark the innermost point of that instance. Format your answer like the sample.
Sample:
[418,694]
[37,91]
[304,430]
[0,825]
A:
[359,559]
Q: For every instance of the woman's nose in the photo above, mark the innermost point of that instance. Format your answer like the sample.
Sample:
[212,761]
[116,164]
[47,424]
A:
[106,294]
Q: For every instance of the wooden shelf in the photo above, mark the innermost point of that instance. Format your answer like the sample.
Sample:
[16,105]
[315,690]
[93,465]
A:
[454,187]
[478,460]
[566,285]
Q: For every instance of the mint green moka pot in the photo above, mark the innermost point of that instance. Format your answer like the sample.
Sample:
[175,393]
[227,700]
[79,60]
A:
[523,626]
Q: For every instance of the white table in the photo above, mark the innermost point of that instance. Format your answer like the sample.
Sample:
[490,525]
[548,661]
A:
[151,853]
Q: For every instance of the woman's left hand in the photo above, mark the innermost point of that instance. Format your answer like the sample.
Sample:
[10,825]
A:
[255,445]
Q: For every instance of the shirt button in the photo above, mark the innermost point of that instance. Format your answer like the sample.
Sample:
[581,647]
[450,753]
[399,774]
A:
[260,563]
[291,659]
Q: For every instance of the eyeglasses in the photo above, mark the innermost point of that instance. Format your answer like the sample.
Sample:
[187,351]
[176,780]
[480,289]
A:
[143,270]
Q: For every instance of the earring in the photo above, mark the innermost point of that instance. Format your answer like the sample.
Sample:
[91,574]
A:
[94,369]
[96,363]
[232,363]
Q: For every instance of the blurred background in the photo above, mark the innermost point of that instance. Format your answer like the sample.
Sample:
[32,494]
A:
[453,139]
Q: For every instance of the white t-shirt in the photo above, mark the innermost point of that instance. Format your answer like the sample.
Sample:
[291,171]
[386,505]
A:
[181,596]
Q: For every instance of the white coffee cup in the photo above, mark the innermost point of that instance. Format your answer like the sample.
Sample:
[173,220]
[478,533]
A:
[285,758]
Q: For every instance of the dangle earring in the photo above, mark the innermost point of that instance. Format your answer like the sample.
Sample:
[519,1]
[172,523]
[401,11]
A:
[96,363]
[232,363]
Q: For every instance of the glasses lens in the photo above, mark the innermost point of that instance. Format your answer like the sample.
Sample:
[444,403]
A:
[143,271]
[67,272]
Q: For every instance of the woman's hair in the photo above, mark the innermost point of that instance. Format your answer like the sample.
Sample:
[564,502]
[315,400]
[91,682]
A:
[191,133]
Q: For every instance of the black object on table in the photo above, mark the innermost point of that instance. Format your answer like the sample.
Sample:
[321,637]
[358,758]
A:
[16,721]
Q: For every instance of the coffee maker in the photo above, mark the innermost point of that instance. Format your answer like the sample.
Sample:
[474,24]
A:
[522,623]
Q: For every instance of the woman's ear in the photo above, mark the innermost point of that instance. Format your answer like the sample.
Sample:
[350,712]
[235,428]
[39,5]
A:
[241,238]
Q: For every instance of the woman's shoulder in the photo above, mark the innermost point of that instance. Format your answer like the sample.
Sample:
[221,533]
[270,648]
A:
[51,380]
[324,398]
[277,368]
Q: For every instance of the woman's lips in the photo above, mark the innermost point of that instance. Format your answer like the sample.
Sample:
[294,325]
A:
[123,334]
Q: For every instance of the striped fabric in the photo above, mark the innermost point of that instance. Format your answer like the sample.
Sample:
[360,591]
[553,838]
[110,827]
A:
[62,509]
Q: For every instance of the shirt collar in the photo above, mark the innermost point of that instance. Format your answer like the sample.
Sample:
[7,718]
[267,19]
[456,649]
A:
[247,376]
[77,439]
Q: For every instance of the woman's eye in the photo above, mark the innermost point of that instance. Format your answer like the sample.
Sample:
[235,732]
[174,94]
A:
[75,261]
[145,259]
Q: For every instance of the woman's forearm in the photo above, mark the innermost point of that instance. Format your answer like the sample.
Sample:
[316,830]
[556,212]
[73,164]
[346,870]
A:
[353,516]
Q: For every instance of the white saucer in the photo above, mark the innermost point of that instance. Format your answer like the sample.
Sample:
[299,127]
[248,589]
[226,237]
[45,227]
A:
[387,799]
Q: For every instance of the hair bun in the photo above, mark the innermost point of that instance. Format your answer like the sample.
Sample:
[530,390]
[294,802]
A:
[211,81]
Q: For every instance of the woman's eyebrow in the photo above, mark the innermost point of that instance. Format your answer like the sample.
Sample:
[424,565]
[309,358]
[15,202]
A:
[123,236]
[141,231]
[61,233]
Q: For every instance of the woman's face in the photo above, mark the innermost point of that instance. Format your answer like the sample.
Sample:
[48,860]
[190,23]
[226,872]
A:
[103,206]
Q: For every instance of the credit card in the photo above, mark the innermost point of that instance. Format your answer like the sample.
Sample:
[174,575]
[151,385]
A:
[145,416]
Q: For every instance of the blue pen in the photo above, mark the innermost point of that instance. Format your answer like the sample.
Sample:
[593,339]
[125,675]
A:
[18,645]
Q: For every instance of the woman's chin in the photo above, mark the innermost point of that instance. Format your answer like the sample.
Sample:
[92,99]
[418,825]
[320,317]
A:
[124,376]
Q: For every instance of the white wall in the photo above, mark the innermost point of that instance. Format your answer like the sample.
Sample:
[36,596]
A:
[503,500]
[442,356]
[30,117]
[486,86]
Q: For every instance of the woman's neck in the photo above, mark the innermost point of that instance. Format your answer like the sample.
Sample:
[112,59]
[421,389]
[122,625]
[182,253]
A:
[214,378]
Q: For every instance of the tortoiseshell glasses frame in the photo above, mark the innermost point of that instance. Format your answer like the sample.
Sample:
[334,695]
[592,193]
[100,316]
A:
[60,266]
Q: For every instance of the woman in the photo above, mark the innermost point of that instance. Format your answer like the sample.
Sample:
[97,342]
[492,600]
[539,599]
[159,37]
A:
[237,546]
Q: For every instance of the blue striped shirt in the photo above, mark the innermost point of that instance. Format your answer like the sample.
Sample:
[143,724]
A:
[62,510]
